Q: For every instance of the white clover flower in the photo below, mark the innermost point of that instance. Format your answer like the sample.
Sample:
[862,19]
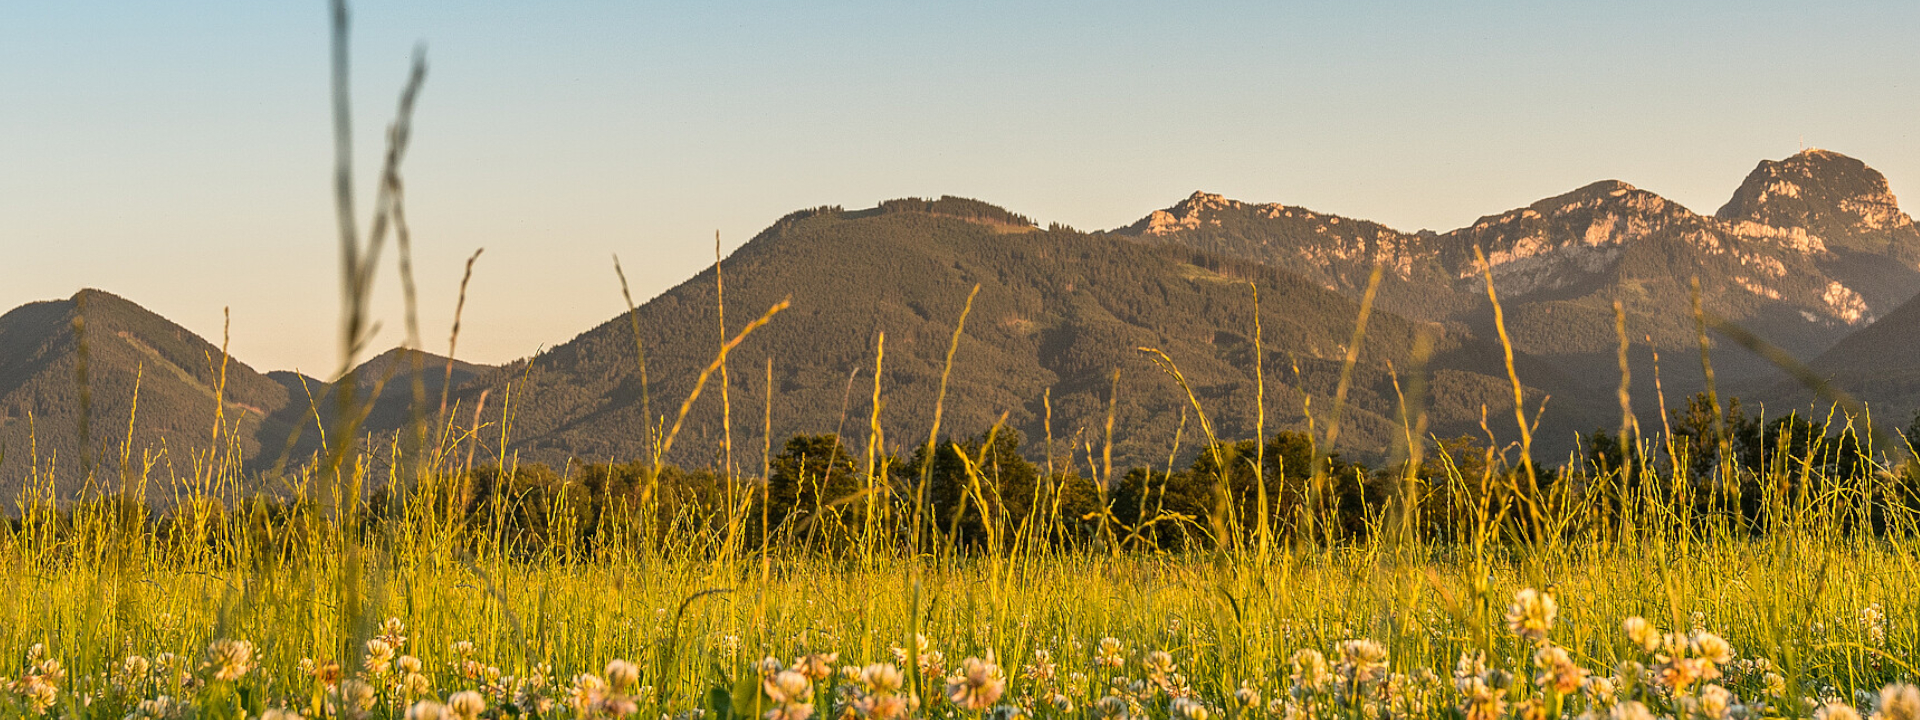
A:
[1188,709]
[1310,672]
[622,675]
[428,710]
[1558,671]
[1480,701]
[1715,702]
[978,685]
[1642,633]
[1629,710]
[882,678]
[466,704]
[1363,661]
[1900,701]
[1112,707]
[1712,647]
[1112,653]
[1835,710]
[1246,698]
[1532,614]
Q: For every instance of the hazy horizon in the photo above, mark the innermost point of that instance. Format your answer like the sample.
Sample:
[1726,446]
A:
[179,155]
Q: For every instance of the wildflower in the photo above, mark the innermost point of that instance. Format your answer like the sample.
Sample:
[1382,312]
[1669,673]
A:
[880,707]
[463,649]
[392,632]
[1875,621]
[882,678]
[1362,661]
[1310,670]
[1471,665]
[1776,685]
[379,656]
[39,693]
[1630,710]
[1835,711]
[407,664]
[1246,698]
[817,667]
[416,684]
[1715,702]
[622,675]
[155,709]
[428,710]
[787,686]
[1188,709]
[587,692]
[280,714]
[351,698]
[1642,633]
[466,705]
[1531,614]
[1600,690]
[1112,653]
[1159,662]
[1712,647]
[1900,701]
[1558,671]
[1480,701]
[1530,709]
[1042,668]
[132,670]
[978,685]
[1111,707]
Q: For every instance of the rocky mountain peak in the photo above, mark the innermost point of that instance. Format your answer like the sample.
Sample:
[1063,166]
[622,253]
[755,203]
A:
[1832,196]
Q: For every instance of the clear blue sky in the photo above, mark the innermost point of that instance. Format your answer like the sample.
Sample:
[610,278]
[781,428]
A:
[178,153]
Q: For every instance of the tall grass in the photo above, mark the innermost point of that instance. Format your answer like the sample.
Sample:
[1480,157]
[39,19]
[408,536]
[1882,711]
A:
[413,547]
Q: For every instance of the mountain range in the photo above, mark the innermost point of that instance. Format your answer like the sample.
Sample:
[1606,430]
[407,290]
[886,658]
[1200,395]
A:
[1811,252]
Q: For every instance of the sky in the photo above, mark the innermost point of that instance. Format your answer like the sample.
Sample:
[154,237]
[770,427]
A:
[179,154]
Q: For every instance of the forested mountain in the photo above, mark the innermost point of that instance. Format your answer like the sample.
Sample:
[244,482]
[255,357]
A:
[1059,312]
[1880,364]
[125,349]
[1808,250]
[142,368]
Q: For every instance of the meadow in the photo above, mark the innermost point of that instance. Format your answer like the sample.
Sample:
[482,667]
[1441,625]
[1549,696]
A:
[401,577]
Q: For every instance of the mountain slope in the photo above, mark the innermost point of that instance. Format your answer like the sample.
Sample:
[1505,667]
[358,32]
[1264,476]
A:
[1879,364]
[177,375]
[1059,311]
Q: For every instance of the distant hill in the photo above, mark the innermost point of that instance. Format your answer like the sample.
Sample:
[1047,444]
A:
[1058,310]
[176,373]
[390,373]
[1879,364]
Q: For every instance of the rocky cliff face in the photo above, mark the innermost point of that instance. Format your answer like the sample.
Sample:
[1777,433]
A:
[1808,249]
[1830,199]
